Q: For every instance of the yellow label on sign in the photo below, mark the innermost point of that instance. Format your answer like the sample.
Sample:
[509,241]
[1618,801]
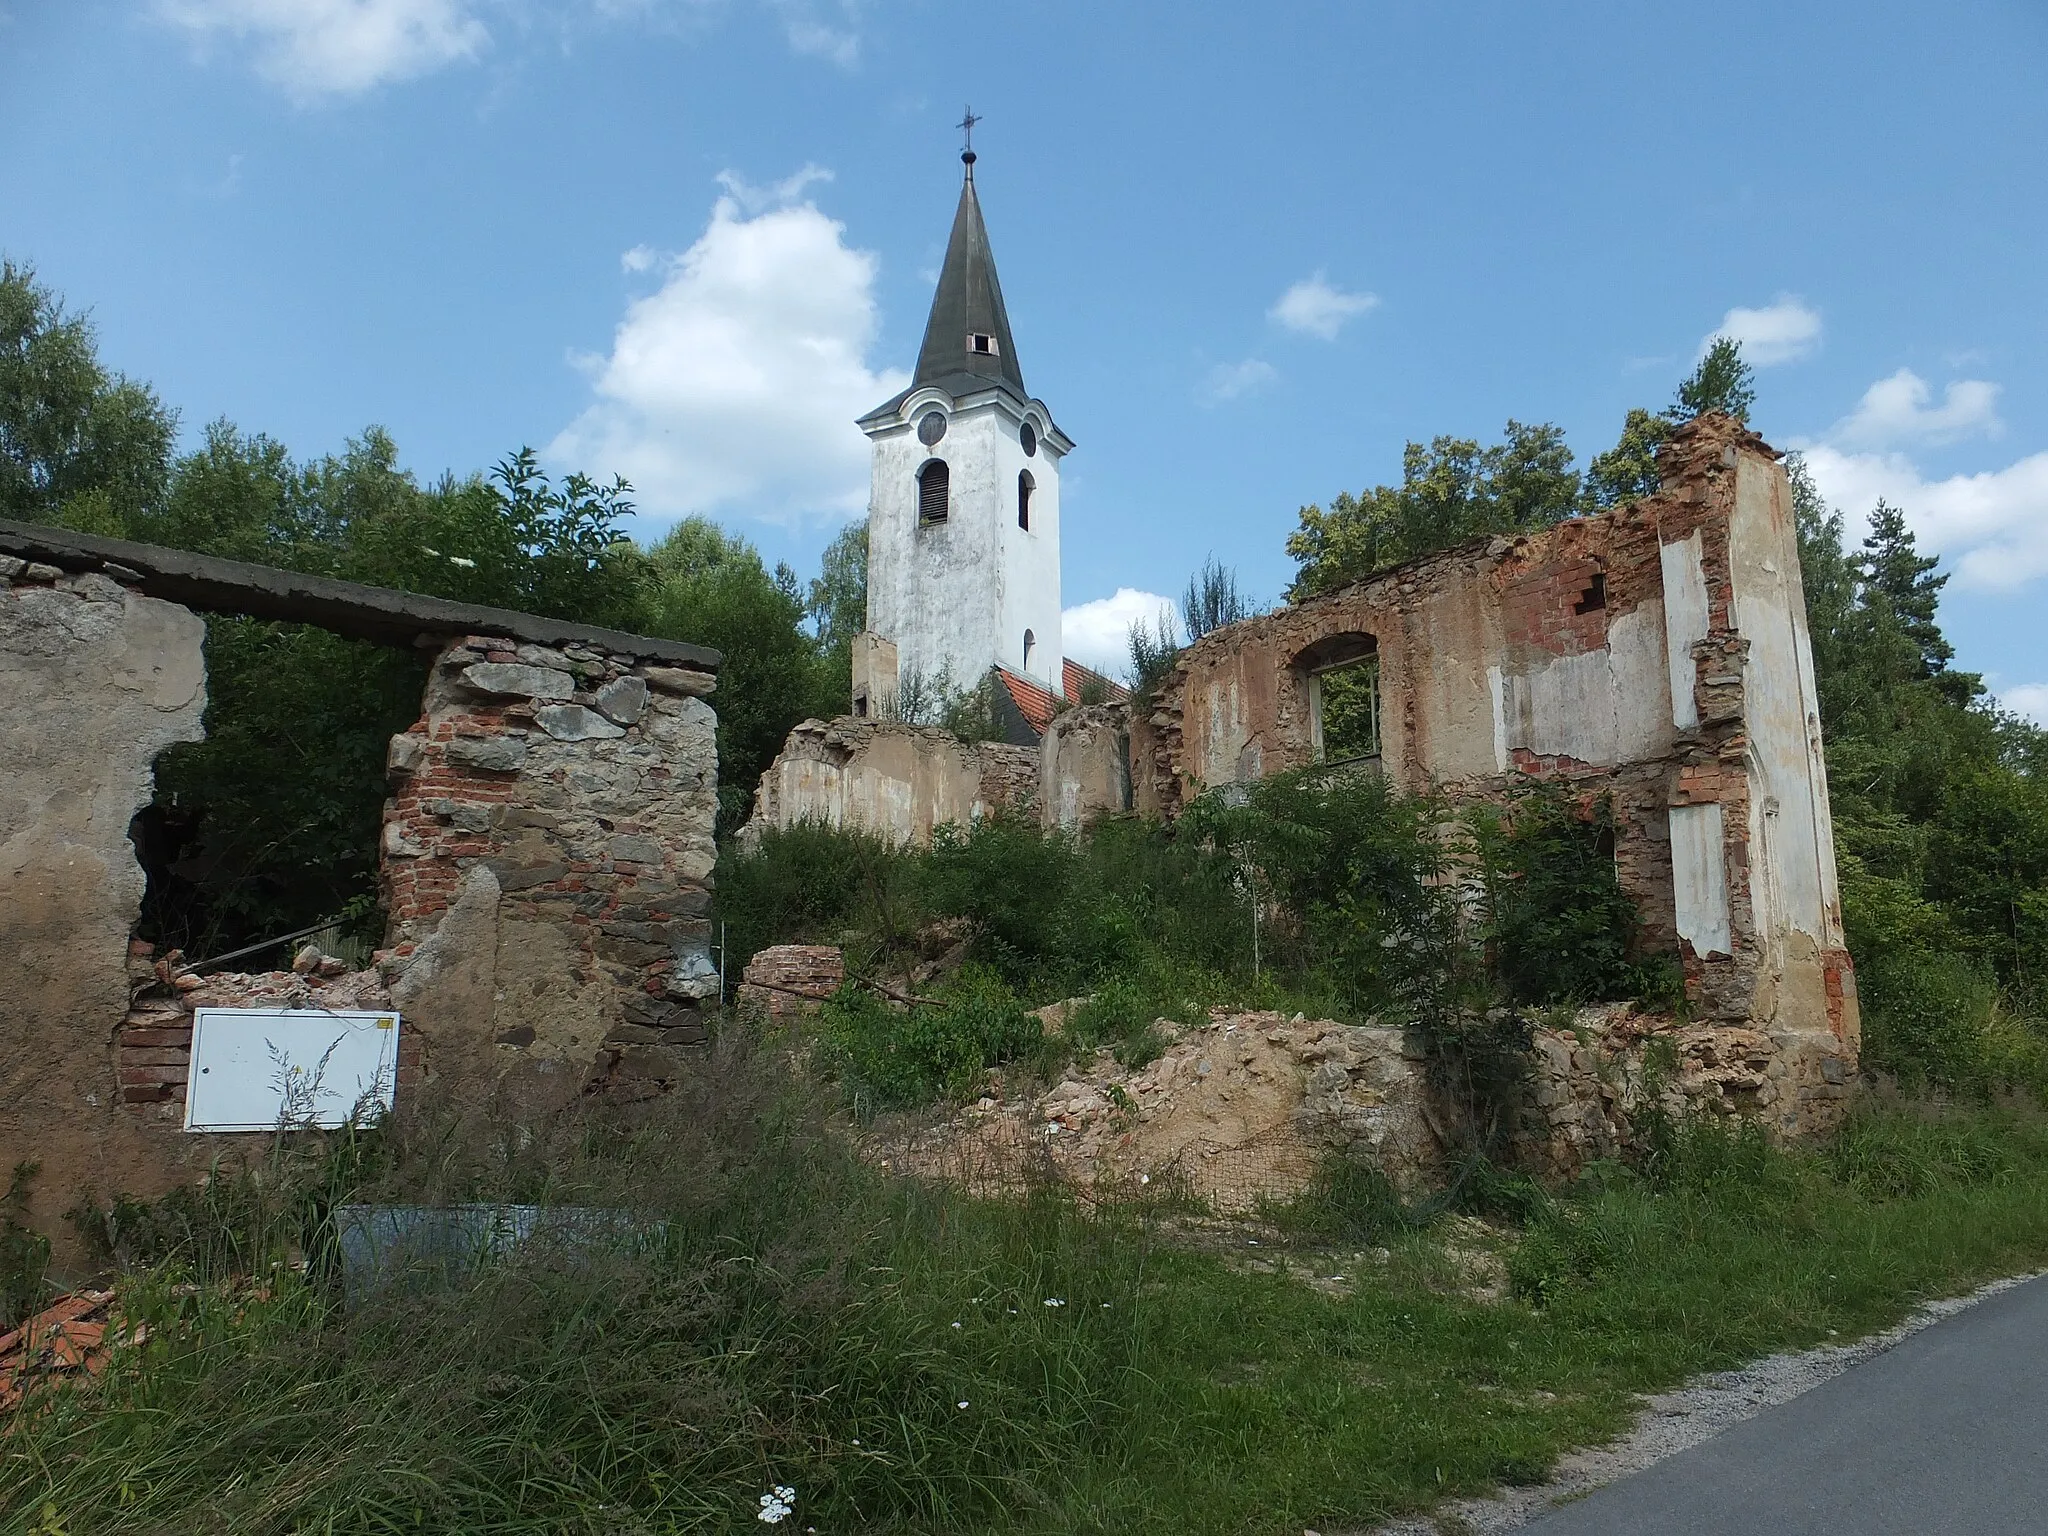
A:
[387,1023]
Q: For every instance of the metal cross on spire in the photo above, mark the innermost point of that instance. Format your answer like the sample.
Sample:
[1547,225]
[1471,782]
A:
[966,126]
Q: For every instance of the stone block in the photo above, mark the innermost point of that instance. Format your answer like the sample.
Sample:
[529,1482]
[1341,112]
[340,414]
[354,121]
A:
[405,754]
[636,850]
[623,700]
[493,754]
[680,680]
[573,722]
[514,876]
[516,680]
[464,815]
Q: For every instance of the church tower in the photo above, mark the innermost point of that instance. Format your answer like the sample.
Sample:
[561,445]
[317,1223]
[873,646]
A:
[964,505]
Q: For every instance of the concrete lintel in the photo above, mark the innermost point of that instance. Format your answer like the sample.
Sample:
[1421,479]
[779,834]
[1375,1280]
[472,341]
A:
[389,617]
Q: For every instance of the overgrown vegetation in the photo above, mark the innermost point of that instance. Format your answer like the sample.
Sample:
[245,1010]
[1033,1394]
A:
[906,1358]
[1317,890]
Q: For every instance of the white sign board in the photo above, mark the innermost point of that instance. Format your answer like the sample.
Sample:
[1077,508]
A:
[256,1069]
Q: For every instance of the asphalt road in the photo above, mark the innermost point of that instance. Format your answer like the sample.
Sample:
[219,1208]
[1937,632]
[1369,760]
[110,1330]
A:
[1946,1432]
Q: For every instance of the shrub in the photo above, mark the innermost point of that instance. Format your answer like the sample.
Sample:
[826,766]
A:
[1560,924]
[892,1058]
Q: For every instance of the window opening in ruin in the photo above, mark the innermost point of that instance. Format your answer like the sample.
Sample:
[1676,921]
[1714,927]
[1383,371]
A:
[934,492]
[1344,699]
[264,835]
[860,701]
[1594,598]
[1025,486]
[1029,641]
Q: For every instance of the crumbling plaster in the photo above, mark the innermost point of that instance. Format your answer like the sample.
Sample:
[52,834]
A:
[95,681]
[901,782]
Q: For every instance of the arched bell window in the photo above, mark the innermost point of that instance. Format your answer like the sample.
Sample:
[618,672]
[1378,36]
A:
[1030,640]
[1025,486]
[934,492]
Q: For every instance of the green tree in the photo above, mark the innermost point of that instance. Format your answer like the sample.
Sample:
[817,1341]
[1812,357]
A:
[1895,574]
[1450,491]
[837,603]
[1722,382]
[1628,470]
[79,446]
[710,587]
[1213,600]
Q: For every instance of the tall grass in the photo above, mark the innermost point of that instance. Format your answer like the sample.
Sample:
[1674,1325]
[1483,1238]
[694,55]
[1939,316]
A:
[789,1317]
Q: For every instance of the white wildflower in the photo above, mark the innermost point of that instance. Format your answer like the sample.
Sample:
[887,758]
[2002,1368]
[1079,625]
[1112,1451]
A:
[777,1505]
[1054,1301]
[961,1404]
[466,563]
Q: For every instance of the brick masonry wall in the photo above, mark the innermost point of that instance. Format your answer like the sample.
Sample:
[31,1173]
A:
[786,980]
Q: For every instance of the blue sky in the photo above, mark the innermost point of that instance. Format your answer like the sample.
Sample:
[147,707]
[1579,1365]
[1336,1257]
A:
[1248,250]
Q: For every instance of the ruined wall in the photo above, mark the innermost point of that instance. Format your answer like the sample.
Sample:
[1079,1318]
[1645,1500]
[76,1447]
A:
[1656,656]
[547,857]
[547,863]
[95,681]
[1084,765]
[900,781]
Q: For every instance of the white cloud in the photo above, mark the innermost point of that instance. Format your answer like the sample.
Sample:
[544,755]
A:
[1783,332]
[736,384]
[1227,381]
[638,259]
[2029,699]
[1991,528]
[1897,410]
[807,31]
[1098,634]
[337,47]
[753,199]
[1313,308]
[326,48]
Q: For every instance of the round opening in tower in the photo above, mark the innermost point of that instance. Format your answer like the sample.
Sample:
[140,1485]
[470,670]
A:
[931,427]
[1027,438]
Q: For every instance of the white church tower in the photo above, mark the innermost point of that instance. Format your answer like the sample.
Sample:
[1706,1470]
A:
[964,509]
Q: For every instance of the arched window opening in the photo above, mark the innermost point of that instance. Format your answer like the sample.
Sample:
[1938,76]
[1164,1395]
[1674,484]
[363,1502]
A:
[934,492]
[1025,486]
[1029,641]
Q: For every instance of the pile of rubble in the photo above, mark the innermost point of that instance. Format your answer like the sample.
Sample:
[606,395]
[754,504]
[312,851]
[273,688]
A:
[1234,1112]
[1240,1110]
[74,1336]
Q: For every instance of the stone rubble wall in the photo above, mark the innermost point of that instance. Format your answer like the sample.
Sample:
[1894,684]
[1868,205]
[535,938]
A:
[1236,1111]
[547,860]
[1592,1081]
[1245,1108]
[901,782]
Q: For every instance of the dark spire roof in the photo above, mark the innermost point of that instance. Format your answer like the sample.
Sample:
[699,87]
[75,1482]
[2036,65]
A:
[969,302]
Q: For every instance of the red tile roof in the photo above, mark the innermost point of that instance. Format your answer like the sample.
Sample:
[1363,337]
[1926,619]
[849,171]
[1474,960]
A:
[1078,677]
[1035,701]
